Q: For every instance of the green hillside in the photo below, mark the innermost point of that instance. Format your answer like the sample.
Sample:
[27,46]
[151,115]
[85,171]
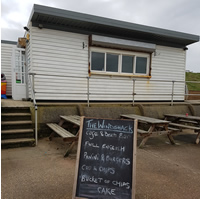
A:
[193,77]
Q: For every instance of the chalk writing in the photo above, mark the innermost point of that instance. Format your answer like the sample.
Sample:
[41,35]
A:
[102,125]
[105,165]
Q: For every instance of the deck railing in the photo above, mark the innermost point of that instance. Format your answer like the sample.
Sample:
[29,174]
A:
[133,93]
[31,77]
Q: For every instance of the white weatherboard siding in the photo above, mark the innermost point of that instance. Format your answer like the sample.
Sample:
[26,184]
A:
[61,67]
[167,64]
[6,65]
[60,64]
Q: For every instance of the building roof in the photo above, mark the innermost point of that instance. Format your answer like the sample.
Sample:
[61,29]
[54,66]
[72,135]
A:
[53,18]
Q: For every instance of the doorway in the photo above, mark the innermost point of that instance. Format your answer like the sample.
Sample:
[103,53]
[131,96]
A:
[18,74]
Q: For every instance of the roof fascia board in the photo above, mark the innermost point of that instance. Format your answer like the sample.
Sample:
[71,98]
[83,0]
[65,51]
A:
[112,23]
[81,31]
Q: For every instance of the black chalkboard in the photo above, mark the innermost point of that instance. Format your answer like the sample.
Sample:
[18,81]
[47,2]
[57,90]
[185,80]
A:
[105,159]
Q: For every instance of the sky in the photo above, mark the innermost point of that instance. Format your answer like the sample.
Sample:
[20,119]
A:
[177,15]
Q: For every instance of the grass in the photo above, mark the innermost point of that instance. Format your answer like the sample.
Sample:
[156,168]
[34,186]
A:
[193,77]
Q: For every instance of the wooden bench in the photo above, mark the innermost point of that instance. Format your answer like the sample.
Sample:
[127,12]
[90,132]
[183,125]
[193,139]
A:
[66,135]
[182,126]
[188,121]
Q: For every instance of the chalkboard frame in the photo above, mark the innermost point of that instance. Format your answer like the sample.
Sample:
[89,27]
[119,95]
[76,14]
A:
[79,150]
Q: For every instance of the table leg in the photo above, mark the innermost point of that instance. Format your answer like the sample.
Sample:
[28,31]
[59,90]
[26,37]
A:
[169,135]
[70,149]
[146,137]
[71,146]
[171,139]
[198,138]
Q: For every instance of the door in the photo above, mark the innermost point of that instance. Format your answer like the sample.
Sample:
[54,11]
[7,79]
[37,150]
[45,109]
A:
[18,74]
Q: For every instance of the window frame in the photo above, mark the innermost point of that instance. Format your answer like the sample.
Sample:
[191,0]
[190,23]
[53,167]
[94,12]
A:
[147,68]
[120,54]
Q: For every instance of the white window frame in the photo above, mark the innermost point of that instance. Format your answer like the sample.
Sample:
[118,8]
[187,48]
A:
[147,68]
[120,53]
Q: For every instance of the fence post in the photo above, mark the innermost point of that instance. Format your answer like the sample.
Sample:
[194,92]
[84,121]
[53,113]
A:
[88,91]
[172,99]
[133,91]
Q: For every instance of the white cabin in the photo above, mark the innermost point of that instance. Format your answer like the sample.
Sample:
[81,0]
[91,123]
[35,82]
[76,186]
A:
[77,57]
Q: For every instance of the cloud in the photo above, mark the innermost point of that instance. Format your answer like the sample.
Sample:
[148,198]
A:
[178,15]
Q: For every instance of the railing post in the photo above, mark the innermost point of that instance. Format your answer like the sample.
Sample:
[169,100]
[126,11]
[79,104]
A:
[172,99]
[88,91]
[134,91]
[32,82]
[36,132]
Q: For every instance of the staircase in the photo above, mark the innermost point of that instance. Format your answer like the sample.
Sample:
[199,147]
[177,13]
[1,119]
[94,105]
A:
[16,127]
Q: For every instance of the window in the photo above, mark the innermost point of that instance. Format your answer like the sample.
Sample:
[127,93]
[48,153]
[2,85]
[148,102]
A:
[98,61]
[141,65]
[107,61]
[127,64]
[112,63]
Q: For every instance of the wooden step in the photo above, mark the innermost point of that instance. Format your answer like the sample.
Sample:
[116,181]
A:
[20,142]
[14,114]
[16,131]
[15,109]
[4,123]
[60,131]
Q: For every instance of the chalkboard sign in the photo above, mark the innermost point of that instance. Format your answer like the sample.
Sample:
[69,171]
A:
[106,159]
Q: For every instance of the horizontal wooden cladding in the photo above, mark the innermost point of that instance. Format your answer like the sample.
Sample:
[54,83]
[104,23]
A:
[59,56]
[61,44]
[59,51]
[61,67]
[57,61]
[168,64]
[56,33]
[54,72]
[66,40]
[60,96]
[54,85]
[83,97]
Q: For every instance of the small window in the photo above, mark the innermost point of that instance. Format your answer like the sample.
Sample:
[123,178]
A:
[112,62]
[98,61]
[127,64]
[141,65]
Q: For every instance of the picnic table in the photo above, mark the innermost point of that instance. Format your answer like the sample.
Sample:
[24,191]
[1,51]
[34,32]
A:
[156,126]
[183,118]
[185,122]
[66,135]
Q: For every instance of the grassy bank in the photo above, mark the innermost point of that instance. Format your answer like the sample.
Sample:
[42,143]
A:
[193,77]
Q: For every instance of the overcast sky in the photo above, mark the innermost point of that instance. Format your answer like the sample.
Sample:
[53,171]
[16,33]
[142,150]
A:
[178,15]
